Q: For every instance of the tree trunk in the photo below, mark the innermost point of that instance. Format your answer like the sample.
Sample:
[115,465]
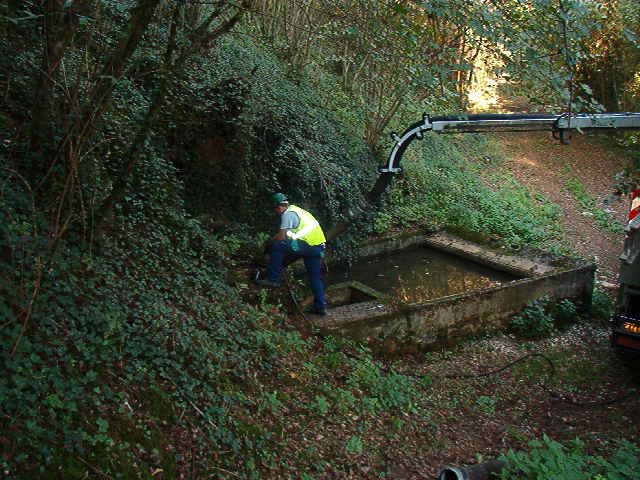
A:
[100,96]
[12,12]
[58,31]
[79,132]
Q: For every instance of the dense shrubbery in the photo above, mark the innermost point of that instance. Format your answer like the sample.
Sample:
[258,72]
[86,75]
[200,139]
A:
[113,341]
[602,304]
[269,124]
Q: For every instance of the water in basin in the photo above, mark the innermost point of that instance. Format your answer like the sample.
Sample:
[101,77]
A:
[420,274]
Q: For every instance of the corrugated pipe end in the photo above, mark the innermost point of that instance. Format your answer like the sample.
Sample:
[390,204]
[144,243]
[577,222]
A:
[452,473]
[482,471]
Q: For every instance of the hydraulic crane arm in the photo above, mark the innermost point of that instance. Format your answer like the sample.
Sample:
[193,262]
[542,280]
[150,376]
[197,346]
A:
[559,125]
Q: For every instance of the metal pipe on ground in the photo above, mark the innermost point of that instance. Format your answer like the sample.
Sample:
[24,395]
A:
[482,471]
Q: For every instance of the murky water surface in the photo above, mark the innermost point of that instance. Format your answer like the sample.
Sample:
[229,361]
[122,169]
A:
[420,274]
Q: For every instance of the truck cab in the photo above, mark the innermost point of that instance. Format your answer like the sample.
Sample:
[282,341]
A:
[625,333]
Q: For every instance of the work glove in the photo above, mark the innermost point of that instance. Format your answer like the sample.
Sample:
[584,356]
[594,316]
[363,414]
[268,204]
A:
[293,240]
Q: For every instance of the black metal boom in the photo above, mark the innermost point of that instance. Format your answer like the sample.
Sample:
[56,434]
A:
[559,125]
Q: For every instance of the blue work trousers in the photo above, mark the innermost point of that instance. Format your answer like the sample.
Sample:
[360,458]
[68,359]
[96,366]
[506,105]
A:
[312,256]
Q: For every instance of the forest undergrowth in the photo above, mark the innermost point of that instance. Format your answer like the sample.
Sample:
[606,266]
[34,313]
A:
[140,141]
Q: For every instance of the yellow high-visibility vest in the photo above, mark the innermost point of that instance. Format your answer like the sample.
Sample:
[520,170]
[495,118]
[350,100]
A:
[308,229]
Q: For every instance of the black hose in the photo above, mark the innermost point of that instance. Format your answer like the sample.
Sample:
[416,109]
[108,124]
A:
[508,365]
[552,372]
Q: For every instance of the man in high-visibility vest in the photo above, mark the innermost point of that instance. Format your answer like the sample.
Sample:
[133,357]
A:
[300,235]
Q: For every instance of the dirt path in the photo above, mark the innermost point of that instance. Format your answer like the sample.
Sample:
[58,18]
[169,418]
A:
[545,166]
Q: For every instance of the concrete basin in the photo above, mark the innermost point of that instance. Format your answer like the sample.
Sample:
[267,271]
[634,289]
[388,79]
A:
[454,318]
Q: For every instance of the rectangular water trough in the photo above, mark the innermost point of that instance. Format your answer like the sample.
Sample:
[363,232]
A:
[453,318]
